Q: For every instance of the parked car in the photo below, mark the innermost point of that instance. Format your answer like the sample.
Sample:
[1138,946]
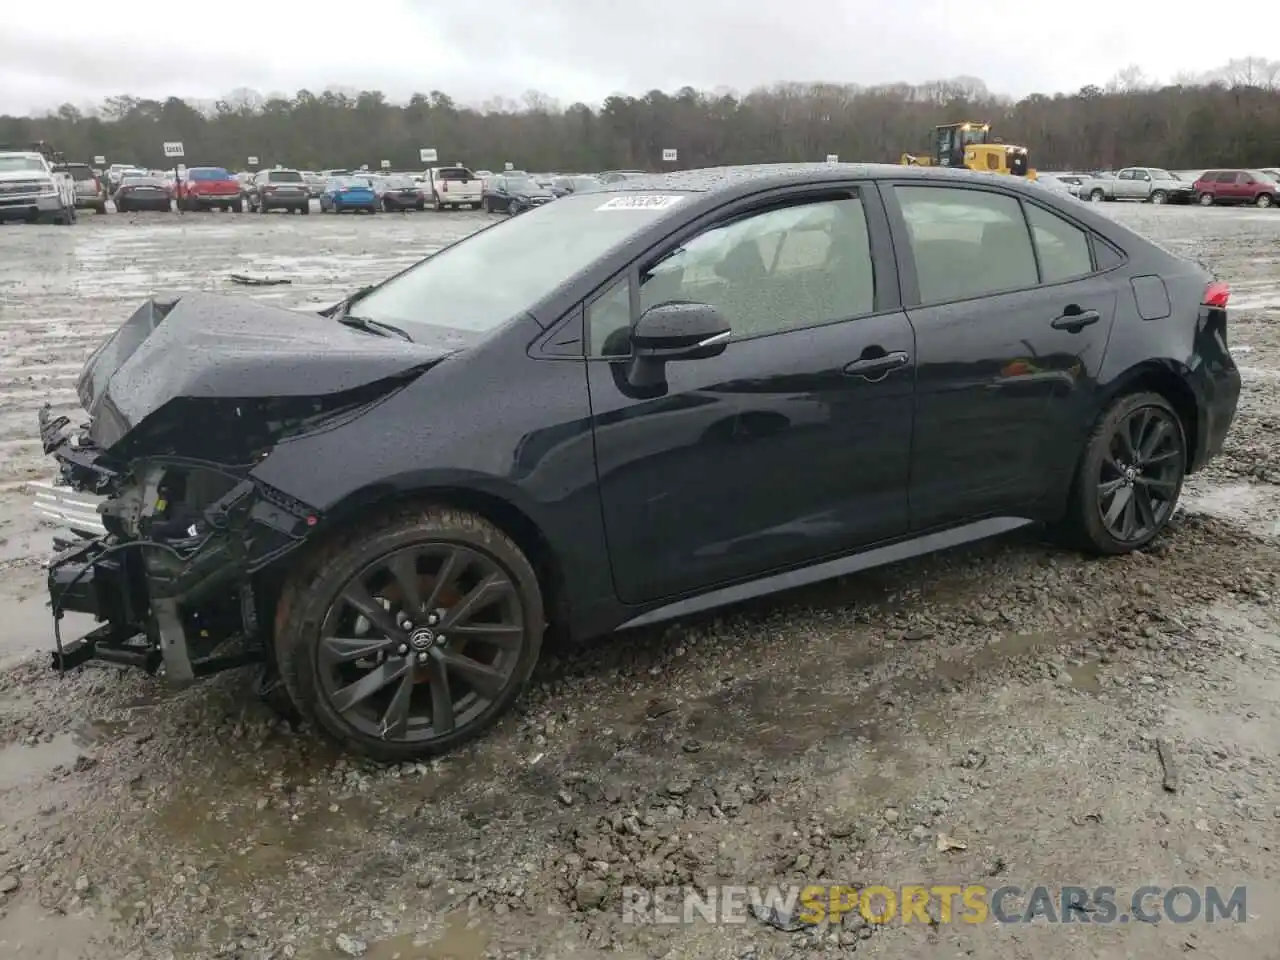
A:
[1237,186]
[315,183]
[1146,184]
[619,176]
[563,186]
[32,190]
[513,195]
[348,193]
[453,187]
[143,193]
[402,192]
[210,188]
[91,192]
[387,502]
[279,190]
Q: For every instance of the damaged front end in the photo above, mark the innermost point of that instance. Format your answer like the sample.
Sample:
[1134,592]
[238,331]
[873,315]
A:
[184,402]
[172,579]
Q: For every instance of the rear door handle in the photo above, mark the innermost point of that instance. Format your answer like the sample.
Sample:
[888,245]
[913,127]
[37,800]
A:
[873,368]
[1076,321]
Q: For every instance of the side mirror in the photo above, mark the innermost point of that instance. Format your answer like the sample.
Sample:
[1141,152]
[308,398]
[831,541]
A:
[681,330]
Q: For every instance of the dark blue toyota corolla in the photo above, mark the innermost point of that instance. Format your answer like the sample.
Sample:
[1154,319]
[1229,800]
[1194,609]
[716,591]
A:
[684,390]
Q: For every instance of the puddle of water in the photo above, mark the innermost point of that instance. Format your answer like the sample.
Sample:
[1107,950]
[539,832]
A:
[21,764]
[1253,506]
[460,940]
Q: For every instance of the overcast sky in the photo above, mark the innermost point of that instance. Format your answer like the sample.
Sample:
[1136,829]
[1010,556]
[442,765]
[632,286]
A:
[80,51]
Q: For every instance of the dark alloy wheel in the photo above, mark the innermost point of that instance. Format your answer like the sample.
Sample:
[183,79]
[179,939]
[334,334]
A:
[409,638]
[1130,476]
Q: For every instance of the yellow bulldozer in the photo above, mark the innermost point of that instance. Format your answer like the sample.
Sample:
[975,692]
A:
[970,144]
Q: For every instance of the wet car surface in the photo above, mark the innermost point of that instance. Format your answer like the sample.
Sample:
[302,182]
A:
[831,732]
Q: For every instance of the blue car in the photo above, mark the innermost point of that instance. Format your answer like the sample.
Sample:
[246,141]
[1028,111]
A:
[348,193]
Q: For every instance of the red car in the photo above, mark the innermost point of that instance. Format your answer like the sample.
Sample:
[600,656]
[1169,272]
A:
[203,188]
[1237,186]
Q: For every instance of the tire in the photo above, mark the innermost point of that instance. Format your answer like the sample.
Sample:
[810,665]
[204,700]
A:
[238,207]
[420,205]
[1205,199]
[305,209]
[1158,196]
[386,206]
[101,208]
[1263,201]
[486,205]
[1097,196]
[1084,523]
[473,206]
[311,605]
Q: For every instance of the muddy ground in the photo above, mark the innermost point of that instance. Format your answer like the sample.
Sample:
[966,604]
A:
[1008,695]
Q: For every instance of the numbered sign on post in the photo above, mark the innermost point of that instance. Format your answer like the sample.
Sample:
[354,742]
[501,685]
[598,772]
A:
[508,165]
[427,155]
[833,158]
[386,164]
[669,155]
[173,148]
[99,160]
[253,161]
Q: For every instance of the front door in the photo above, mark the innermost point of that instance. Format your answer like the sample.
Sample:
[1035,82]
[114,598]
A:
[793,445]
[1010,338]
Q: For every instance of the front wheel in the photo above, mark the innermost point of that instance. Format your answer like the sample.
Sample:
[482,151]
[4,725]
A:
[1130,476]
[1158,196]
[1205,199]
[1097,196]
[412,633]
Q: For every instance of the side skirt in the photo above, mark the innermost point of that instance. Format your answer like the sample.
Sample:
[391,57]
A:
[829,569]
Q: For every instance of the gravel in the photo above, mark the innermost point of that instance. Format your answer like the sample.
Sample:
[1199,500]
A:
[997,714]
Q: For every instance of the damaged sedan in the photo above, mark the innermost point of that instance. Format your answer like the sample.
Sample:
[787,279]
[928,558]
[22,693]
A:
[684,390]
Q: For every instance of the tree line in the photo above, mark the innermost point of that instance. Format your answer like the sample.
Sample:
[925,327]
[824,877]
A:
[1228,117]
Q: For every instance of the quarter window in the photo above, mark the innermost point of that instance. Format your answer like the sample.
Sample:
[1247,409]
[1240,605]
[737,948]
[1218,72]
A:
[966,243]
[609,321]
[782,269]
[1063,247]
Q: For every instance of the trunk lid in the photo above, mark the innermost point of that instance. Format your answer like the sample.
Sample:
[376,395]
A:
[208,347]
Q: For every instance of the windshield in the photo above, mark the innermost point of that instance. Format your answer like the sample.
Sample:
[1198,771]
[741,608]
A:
[1269,175]
[21,164]
[284,176]
[539,251]
[523,185]
[208,173]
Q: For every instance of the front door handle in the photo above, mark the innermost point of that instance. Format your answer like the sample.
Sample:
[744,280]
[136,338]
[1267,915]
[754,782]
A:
[877,367]
[1073,322]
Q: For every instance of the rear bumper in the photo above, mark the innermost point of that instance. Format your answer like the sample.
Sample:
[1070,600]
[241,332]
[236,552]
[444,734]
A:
[1216,383]
[277,202]
[215,200]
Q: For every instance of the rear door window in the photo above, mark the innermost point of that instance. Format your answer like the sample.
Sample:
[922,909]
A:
[1063,247]
[966,243]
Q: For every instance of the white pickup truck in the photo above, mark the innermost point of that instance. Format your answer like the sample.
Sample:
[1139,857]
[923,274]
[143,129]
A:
[1144,184]
[453,187]
[31,190]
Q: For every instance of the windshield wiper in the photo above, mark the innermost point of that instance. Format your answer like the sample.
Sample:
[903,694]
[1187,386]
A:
[373,326]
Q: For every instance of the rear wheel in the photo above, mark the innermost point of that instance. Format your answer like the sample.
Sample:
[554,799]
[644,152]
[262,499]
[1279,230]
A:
[1205,199]
[1264,200]
[1097,196]
[411,634]
[1130,476]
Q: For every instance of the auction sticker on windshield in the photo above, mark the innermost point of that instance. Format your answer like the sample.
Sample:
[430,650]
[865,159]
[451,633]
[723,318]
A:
[640,202]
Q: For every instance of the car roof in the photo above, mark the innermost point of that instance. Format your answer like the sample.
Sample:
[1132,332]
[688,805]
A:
[750,178]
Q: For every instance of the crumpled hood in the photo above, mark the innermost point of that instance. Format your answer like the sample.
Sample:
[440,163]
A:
[206,347]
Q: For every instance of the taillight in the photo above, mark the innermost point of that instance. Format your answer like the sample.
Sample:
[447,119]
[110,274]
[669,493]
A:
[1216,295]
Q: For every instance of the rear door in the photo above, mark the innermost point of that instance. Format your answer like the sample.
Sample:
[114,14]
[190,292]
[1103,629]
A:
[1011,321]
[790,446]
[1124,188]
